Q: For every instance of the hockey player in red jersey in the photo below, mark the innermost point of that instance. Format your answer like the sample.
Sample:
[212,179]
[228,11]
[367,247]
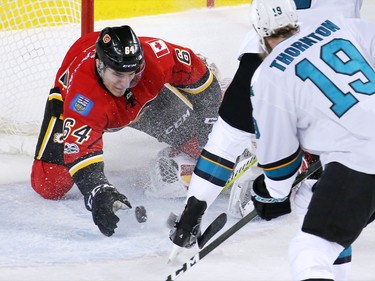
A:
[109,80]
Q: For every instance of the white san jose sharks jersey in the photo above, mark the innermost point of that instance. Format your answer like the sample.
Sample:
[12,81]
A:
[316,92]
[307,10]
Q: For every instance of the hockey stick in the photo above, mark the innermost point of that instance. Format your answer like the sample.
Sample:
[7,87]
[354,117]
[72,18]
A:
[233,229]
[212,229]
[239,172]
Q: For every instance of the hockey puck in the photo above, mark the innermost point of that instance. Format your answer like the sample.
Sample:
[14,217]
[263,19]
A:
[140,214]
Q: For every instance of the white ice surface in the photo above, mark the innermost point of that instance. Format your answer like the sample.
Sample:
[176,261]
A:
[57,240]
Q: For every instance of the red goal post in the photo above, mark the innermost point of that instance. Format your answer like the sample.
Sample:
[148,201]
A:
[210,3]
[87,16]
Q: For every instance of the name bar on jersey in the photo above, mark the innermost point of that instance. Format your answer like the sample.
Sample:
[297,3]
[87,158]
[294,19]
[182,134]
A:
[285,58]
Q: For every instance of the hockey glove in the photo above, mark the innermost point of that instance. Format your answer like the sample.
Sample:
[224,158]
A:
[267,207]
[103,201]
[187,228]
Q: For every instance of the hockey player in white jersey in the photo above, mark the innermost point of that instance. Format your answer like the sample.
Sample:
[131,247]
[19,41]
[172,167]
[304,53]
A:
[248,55]
[321,100]
[233,131]
[240,87]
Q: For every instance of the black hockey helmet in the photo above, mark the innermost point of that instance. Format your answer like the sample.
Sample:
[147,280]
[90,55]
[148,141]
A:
[119,48]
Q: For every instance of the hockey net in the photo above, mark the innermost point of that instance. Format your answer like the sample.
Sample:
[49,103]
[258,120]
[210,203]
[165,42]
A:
[34,37]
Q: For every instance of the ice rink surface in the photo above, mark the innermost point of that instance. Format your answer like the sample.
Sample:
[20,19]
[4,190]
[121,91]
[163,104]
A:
[57,240]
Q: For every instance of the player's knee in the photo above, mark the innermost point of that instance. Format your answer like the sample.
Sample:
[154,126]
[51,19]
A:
[51,181]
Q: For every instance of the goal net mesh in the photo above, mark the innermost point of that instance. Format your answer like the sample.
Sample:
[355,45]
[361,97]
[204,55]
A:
[34,37]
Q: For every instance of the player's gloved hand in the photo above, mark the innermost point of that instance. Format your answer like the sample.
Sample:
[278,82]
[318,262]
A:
[266,206]
[103,201]
[187,227]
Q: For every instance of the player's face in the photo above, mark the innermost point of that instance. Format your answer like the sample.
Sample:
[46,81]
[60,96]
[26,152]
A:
[117,82]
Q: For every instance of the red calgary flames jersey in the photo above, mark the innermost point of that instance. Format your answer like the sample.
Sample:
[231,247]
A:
[90,109]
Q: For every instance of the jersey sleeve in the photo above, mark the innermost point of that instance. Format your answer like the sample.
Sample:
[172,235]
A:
[188,69]
[176,65]
[278,151]
[190,73]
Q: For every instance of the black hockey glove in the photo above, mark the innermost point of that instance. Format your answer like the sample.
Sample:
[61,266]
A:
[187,228]
[103,201]
[267,207]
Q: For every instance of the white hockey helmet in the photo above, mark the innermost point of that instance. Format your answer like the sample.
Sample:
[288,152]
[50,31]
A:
[269,15]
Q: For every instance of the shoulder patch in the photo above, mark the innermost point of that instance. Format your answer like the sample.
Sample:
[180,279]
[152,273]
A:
[81,104]
[159,47]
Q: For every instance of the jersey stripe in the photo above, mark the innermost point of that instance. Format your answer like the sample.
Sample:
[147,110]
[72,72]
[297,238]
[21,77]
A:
[202,87]
[345,256]
[213,168]
[46,137]
[84,163]
[284,168]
